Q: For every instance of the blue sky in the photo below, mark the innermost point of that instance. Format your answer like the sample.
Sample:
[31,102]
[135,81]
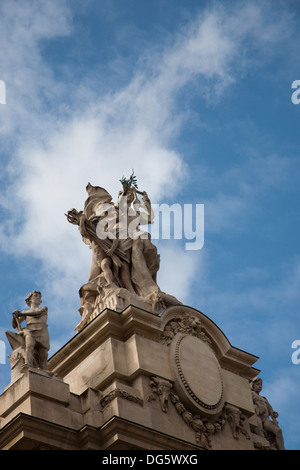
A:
[196,97]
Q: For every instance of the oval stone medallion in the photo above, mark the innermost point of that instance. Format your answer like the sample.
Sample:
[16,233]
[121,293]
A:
[198,372]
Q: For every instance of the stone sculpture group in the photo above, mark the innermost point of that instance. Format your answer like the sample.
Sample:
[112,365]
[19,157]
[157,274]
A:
[123,272]
[125,262]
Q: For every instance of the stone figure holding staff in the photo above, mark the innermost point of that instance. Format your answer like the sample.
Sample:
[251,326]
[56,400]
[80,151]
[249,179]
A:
[32,340]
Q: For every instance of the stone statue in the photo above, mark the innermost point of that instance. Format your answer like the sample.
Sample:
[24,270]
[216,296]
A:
[31,343]
[266,427]
[124,260]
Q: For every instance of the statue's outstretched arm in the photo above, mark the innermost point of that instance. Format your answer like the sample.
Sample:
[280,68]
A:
[34,313]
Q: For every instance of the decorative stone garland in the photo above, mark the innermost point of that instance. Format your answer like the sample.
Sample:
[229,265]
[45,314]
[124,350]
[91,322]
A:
[162,389]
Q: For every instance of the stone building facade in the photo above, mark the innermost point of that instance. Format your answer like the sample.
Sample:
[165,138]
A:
[133,380]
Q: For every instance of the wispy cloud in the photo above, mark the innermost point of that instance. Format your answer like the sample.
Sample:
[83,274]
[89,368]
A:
[30,83]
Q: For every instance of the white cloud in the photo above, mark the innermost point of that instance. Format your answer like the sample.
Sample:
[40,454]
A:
[29,79]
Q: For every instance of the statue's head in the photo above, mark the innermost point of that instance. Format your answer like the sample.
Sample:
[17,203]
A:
[256,384]
[34,295]
[129,186]
[130,195]
[126,197]
[97,196]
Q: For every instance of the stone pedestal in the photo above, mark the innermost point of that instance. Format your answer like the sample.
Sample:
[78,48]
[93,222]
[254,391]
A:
[136,380]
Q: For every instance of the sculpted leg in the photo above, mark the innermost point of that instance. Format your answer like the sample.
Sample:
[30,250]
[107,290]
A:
[126,278]
[105,266]
[29,349]
[276,431]
[43,356]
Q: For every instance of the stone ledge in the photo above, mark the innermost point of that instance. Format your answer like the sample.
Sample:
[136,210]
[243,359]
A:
[134,320]
[119,434]
[107,324]
[33,383]
[26,432]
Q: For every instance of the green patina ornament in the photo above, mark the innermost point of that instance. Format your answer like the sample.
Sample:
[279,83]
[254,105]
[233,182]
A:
[128,182]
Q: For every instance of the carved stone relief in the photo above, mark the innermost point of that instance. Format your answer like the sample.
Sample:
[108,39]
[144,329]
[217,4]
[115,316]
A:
[163,390]
[197,391]
[118,393]
[197,374]
[185,323]
[237,421]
